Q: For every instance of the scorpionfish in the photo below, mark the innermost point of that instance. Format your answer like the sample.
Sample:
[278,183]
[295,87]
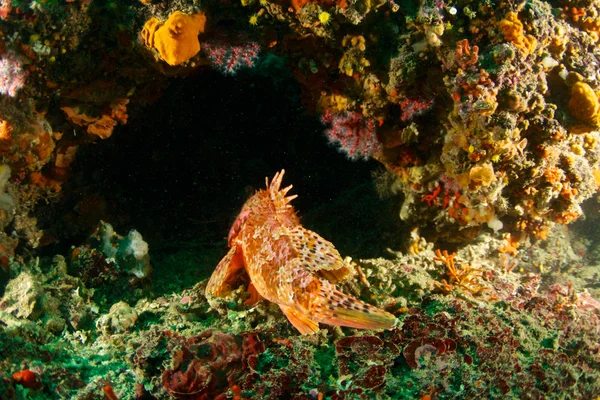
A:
[291,266]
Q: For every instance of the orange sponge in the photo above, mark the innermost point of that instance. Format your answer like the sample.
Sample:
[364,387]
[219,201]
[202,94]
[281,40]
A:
[177,38]
[514,32]
[584,104]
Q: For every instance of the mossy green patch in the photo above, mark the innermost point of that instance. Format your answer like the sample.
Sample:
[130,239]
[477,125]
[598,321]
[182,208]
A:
[434,307]
[549,342]
[326,359]
[147,319]
[270,361]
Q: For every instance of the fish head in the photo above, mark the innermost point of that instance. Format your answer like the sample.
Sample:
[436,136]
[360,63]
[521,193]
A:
[253,207]
[263,206]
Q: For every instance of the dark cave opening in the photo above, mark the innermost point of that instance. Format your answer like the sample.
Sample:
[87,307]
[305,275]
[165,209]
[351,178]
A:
[181,169]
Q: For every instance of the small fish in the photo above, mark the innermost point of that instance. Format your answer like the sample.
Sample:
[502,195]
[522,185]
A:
[290,266]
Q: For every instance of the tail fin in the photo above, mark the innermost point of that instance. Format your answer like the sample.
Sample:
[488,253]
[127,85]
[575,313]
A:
[337,308]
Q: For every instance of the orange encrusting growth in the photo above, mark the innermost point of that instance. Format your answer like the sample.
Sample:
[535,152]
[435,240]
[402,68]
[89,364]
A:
[290,266]
[513,31]
[584,104]
[27,378]
[177,38]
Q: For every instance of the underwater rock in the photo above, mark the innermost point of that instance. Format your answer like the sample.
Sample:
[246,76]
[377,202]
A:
[129,252]
[203,366]
[7,203]
[119,319]
[22,296]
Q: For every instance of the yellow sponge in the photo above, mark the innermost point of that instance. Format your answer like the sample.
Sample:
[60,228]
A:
[177,38]
[584,104]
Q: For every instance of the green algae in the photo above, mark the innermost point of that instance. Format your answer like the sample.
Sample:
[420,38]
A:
[269,361]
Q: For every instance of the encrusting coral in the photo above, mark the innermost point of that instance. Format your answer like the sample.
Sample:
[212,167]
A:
[176,39]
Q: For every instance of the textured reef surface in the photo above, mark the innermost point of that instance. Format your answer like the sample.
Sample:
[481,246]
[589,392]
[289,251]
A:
[483,322]
[480,122]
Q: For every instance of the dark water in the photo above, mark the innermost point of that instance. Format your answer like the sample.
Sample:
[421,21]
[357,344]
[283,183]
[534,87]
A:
[182,167]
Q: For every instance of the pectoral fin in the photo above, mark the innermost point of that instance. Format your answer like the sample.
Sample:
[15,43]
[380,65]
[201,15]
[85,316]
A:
[255,297]
[226,274]
[318,255]
[300,321]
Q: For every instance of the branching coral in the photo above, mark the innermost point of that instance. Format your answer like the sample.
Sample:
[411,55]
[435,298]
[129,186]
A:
[229,54]
[354,134]
[464,278]
[466,56]
[12,75]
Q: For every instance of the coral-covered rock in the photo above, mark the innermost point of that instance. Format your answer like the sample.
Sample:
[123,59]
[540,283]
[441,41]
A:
[366,359]
[23,295]
[203,366]
[119,319]
[512,29]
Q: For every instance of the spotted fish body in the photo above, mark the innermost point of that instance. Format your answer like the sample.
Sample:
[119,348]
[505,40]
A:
[291,266]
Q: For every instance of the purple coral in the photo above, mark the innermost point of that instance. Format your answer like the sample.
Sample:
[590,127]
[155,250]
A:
[354,134]
[12,76]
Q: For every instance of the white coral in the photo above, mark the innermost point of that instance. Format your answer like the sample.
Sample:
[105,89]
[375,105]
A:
[12,75]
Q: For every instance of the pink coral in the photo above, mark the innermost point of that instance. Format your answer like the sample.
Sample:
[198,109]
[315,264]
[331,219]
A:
[231,53]
[354,134]
[414,107]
